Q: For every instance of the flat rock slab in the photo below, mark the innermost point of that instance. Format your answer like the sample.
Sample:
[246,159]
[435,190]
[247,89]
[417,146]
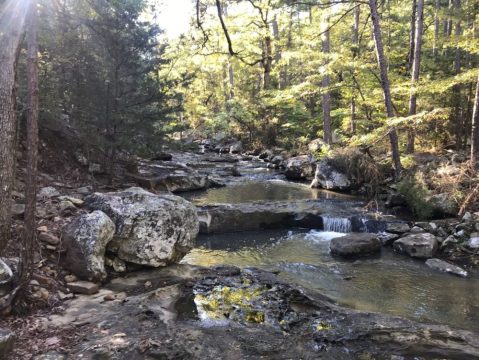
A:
[308,214]
[7,339]
[417,245]
[83,287]
[355,245]
[444,266]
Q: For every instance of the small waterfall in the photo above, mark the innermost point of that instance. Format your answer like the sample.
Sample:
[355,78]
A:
[341,225]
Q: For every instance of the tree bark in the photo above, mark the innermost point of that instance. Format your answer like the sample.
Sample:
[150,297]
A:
[475,130]
[436,28]
[11,24]
[412,35]
[325,83]
[415,69]
[355,42]
[393,138]
[267,62]
[456,89]
[32,143]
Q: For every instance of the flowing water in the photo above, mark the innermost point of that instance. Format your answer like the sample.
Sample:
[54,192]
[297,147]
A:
[389,283]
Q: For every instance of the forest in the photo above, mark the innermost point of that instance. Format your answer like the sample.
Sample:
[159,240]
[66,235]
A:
[239,179]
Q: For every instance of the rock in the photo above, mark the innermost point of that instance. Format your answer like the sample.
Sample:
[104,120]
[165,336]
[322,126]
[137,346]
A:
[162,157]
[444,205]
[467,216]
[397,227]
[153,230]
[53,355]
[49,238]
[451,239]
[18,210]
[417,245]
[416,230]
[82,160]
[316,145]
[83,287]
[119,265]
[48,192]
[6,273]
[85,190]
[236,148]
[427,226]
[7,340]
[355,245]
[444,266]
[387,238]
[70,278]
[73,200]
[43,228]
[473,242]
[42,294]
[277,160]
[266,155]
[86,239]
[327,177]
[174,177]
[66,207]
[300,167]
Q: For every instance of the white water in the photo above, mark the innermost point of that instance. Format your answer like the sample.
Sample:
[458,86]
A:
[338,225]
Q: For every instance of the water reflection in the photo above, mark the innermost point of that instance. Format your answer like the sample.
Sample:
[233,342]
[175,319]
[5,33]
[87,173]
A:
[272,190]
[390,283]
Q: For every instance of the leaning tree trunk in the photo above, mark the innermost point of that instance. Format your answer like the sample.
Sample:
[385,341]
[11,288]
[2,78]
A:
[325,84]
[32,143]
[475,130]
[415,70]
[11,24]
[393,138]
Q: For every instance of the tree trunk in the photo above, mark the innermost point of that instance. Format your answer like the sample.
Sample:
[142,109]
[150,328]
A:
[11,24]
[355,41]
[412,35]
[32,144]
[475,130]
[458,121]
[325,83]
[436,28]
[415,70]
[267,63]
[393,138]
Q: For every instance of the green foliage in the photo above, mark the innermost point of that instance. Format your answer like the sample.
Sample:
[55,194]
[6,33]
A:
[416,195]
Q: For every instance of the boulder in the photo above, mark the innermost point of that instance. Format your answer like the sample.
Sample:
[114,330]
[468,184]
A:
[6,343]
[355,245]
[422,245]
[153,230]
[444,266]
[6,273]
[444,205]
[397,227]
[236,148]
[86,239]
[300,168]
[473,242]
[330,178]
[48,192]
[171,176]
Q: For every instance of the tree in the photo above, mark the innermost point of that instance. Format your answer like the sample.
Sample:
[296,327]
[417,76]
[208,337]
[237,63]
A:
[475,130]
[416,65]
[32,143]
[393,138]
[12,18]
[325,84]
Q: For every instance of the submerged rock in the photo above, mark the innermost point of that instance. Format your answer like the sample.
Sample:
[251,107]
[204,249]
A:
[153,230]
[423,245]
[86,239]
[330,178]
[355,245]
[299,168]
[444,266]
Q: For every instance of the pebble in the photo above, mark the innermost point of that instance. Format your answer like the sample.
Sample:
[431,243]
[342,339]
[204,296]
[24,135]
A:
[49,238]
[70,278]
[83,287]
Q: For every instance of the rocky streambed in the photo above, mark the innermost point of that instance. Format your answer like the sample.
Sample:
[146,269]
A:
[261,280]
